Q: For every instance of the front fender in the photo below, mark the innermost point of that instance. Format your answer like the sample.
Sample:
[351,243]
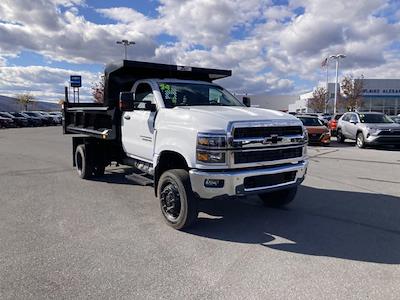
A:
[182,141]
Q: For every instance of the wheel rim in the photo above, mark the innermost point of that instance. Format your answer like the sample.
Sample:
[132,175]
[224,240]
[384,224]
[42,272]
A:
[359,141]
[170,201]
[79,162]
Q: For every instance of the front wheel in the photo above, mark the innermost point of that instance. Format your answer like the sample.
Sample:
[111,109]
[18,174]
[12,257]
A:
[278,198]
[360,140]
[178,204]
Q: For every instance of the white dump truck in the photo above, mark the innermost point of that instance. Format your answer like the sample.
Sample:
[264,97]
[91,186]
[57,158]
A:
[189,137]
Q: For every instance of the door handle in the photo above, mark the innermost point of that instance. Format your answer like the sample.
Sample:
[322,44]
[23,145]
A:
[127,117]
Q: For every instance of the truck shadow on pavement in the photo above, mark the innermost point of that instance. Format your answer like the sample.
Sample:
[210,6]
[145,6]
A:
[347,225]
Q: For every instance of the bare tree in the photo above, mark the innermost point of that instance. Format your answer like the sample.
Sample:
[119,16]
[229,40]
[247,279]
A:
[317,102]
[25,99]
[98,90]
[352,89]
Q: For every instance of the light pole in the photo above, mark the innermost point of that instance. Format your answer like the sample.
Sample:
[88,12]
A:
[336,57]
[126,43]
[327,85]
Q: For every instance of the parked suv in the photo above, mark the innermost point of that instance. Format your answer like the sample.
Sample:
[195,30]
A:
[45,120]
[6,122]
[50,120]
[368,128]
[33,119]
[19,121]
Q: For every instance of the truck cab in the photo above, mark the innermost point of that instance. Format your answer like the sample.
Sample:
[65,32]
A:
[194,138]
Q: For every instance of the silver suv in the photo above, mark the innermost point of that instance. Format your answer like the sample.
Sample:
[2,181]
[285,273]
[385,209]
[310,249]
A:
[368,128]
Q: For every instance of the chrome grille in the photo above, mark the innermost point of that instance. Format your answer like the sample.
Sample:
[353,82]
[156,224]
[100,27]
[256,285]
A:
[314,137]
[242,157]
[389,132]
[263,132]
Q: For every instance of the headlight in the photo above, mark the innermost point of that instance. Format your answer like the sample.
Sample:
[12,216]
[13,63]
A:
[207,148]
[305,134]
[210,157]
[373,131]
[211,141]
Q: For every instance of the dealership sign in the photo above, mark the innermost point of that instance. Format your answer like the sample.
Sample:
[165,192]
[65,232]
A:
[381,91]
[75,81]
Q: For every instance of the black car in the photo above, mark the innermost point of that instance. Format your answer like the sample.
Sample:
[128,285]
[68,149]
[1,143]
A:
[6,122]
[38,120]
[31,122]
[53,120]
[46,120]
[19,121]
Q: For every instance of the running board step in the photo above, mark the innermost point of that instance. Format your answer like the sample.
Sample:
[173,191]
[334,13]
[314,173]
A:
[139,179]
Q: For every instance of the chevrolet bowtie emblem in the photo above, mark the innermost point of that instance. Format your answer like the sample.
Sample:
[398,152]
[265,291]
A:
[273,139]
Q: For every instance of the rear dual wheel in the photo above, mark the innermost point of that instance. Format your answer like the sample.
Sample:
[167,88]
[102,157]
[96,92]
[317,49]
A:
[84,165]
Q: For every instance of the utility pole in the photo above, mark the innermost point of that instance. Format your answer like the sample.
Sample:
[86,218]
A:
[327,86]
[336,57]
[126,43]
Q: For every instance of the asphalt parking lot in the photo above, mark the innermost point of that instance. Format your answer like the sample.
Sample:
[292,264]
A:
[63,237]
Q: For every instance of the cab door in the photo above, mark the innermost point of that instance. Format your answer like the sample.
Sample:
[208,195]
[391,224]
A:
[345,124]
[138,125]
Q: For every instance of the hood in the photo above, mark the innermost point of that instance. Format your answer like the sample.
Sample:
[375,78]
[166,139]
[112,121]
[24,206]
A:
[382,126]
[217,118]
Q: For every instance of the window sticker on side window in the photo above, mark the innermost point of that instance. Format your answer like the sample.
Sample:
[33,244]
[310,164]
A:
[165,87]
[169,92]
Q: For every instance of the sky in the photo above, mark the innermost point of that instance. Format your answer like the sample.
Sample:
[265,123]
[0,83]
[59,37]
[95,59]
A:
[271,46]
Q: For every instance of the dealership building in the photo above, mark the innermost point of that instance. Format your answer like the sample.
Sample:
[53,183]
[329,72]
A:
[380,95]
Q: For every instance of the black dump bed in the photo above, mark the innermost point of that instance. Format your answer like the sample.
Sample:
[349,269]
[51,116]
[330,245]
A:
[103,119]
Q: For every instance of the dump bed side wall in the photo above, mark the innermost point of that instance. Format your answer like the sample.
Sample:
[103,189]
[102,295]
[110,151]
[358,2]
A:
[92,120]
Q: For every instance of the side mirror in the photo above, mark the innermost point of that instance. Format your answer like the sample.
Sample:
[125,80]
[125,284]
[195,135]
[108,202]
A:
[126,101]
[353,122]
[150,106]
[246,101]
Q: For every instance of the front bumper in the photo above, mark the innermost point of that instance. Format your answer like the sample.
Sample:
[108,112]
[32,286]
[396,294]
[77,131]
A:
[383,140]
[319,138]
[234,180]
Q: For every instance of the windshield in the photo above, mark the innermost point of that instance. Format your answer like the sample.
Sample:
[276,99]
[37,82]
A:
[190,94]
[32,114]
[311,121]
[6,115]
[374,118]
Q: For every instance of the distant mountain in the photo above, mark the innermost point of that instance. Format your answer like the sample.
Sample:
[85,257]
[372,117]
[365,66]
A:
[10,104]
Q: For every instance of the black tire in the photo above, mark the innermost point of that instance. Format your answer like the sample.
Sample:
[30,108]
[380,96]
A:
[360,140]
[83,164]
[278,198]
[178,204]
[98,170]
[340,137]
